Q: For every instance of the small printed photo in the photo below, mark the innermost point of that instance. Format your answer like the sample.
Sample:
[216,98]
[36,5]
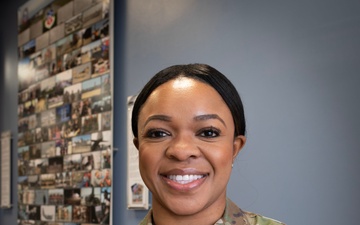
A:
[106,121]
[29,107]
[64,213]
[62,146]
[72,196]
[42,72]
[41,105]
[48,118]
[63,113]
[63,180]
[71,128]
[80,213]
[81,143]
[38,166]
[34,121]
[33,212]
[90,48]
[34,182]
[72,59]
[73,24]
[22,183]
[106,159]
[81,72]
[36,60]
[55,165]
[86,37]
[92,15]
[42,134]
[72,162]
[100,104]
[41,197]
[101,140]
[47,86]
[65,45]
[23,167]
[22,212]
[47,213]
[23,124]
[28,197]
[106,84]
[35,151]
[49,54]
[23,153]
[100,29]
[91,161]
[48,149]
[100,61]
[25,74]
[62,80]
[84,107]
[106,195]
[137,193]
[47,181]
[29,137]
[90,196]
[80,179]
[72,94]
[56,196]
[20,110]
[91,88]
[90,124]
[27,49]
[101,178]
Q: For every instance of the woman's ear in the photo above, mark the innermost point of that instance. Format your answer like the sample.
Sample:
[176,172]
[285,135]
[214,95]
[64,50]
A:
[136,142]
[239,142]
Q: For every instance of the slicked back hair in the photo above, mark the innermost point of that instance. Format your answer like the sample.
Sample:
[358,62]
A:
[200,72]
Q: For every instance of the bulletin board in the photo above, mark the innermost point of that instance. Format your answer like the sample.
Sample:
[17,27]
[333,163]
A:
[65,114]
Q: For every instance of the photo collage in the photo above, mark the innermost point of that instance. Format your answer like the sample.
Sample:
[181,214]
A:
[64,113]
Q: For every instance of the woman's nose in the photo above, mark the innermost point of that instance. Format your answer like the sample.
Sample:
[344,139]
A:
[182,147]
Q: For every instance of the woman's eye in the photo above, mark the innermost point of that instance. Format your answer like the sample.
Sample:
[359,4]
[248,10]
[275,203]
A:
[156,134]
[209,133]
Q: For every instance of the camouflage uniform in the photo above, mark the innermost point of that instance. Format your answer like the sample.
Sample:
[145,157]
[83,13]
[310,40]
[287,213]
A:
[233,215]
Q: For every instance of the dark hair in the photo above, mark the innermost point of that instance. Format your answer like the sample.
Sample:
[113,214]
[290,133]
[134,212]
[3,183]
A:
[200,72]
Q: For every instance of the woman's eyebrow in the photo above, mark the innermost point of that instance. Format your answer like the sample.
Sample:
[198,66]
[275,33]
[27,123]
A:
[158,117]
[209,116]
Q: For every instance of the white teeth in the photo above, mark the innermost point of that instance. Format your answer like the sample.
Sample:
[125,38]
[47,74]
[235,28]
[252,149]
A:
[185,178]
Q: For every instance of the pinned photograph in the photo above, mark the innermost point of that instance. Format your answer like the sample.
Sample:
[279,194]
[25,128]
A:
[81,143]
[72,162]
[64,213]
[72,196]
[55,164]
[47,213]
[81,73]
[56,196]
[41,197]
[90,196]
[47,181]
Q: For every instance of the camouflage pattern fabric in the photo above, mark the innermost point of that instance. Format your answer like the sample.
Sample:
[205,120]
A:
[233,215]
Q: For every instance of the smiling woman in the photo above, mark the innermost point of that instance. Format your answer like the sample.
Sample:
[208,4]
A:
[189,126]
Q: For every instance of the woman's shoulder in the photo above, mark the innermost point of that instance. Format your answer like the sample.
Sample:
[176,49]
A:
[256,219]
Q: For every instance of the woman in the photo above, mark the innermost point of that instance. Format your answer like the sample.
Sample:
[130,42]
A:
[188,124]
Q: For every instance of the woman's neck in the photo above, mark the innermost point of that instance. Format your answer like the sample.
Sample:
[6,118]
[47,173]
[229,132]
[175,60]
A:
[208,215]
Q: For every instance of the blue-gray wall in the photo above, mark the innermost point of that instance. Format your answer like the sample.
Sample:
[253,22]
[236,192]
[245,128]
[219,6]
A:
[296,65]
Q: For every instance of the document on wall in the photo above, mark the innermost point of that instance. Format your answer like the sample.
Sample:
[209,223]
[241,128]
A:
[137,192]
[5,195]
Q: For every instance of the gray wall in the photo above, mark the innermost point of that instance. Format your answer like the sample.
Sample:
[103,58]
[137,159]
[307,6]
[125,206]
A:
[296,65]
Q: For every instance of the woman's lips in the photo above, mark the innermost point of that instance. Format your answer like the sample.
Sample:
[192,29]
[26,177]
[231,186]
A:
[184,180]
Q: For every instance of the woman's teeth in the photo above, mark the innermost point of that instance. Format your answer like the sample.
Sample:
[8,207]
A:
[184,179]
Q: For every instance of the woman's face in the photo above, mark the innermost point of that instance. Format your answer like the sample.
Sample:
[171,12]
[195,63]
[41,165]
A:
[186,146]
